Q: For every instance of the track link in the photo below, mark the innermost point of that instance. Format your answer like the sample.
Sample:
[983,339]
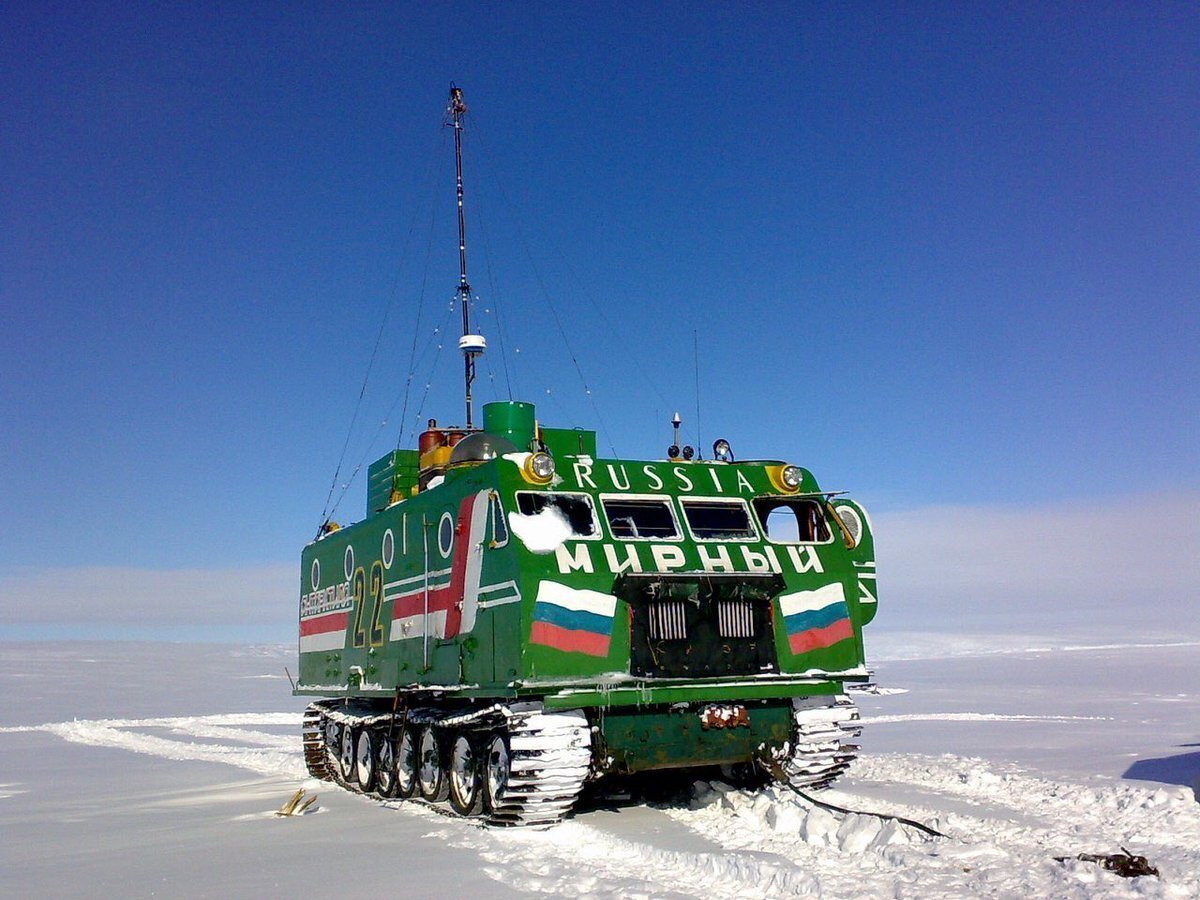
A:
[824,744]
[550,759]
[549,753]
[314,743]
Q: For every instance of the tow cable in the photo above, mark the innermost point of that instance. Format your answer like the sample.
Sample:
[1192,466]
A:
[775,770]
[1125,864]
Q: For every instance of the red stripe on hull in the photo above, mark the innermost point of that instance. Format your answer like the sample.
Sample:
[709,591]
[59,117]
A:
[819,638]
[407,605]
[569,640]
[323,624]
[447,598]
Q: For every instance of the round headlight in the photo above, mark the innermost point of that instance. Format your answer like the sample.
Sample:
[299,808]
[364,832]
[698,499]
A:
[791,476]
[539,468]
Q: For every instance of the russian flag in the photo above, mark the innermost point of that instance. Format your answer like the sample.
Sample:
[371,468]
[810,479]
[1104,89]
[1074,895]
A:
[816,619]
[571,620]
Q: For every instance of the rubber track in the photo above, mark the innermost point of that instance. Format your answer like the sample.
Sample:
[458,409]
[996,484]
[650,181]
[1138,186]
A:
[314,743]
[549,754]
[823,745]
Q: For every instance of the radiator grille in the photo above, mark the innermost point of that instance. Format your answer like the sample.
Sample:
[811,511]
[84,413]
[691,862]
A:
[667,620]
[700,626]
[735,619]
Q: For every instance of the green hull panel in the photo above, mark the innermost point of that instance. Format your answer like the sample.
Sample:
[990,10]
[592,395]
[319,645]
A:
[640,740]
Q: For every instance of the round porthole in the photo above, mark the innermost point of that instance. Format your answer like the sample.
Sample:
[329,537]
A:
[348,562]
[389,548]
[314,575]
[852,520]
[446,534]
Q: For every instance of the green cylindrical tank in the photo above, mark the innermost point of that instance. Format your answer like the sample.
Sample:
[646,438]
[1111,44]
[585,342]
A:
[511,419]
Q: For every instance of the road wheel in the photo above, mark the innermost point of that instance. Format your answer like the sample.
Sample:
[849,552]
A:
[466,779]
[364,759]
[385,766]
[431,775]
[497,766]
[406,761]
[346,755]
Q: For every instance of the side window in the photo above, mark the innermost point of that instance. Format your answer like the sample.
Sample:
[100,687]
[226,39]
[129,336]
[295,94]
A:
[575,508]
[499,525]
[719,520]
[640,518]
[790,520]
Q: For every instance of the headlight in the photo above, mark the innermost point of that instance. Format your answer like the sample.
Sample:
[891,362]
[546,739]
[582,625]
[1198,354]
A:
[786,479]
[539,468]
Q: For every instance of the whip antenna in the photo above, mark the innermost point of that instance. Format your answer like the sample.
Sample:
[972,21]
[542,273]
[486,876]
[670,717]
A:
[470,344]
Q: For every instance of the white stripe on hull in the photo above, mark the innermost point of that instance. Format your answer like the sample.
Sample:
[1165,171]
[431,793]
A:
[330,640]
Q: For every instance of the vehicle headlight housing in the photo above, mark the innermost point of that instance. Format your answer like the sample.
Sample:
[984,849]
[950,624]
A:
[786,479]
[539,468]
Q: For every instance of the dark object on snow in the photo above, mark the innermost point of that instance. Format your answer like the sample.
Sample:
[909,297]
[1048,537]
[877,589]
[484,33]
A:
[780,776]
[1124,863]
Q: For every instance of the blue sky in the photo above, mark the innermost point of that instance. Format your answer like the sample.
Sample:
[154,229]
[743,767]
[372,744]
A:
[941,254]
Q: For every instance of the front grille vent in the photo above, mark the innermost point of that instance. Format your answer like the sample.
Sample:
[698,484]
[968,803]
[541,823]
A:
[690,625]
[735,619]
[667,620]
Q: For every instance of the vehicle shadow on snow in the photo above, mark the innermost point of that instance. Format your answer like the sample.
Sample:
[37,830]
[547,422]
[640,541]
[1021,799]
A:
[667,788]
[1183,768]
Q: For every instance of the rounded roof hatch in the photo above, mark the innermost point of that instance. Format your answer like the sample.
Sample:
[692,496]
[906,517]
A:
[480,447]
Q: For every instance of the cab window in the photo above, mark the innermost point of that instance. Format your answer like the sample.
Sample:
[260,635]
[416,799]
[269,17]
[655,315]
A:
[640,518]
[791,520]
[719,520]
[575,508]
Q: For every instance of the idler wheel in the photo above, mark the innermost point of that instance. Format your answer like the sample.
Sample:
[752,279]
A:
[333,746]
[431,776]
[466,779]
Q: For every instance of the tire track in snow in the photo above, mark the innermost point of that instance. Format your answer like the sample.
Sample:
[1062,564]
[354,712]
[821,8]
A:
[275,755]
[577,859]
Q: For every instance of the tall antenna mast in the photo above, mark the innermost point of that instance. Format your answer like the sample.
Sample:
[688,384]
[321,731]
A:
[470,344]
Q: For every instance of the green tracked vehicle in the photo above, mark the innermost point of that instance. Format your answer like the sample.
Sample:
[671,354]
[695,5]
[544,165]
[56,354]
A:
[516,616]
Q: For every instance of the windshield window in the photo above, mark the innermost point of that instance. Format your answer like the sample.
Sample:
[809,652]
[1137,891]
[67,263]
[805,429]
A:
[640,518]
[719,520]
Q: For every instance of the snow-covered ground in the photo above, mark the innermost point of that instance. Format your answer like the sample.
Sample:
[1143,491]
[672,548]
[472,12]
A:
[153,770]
